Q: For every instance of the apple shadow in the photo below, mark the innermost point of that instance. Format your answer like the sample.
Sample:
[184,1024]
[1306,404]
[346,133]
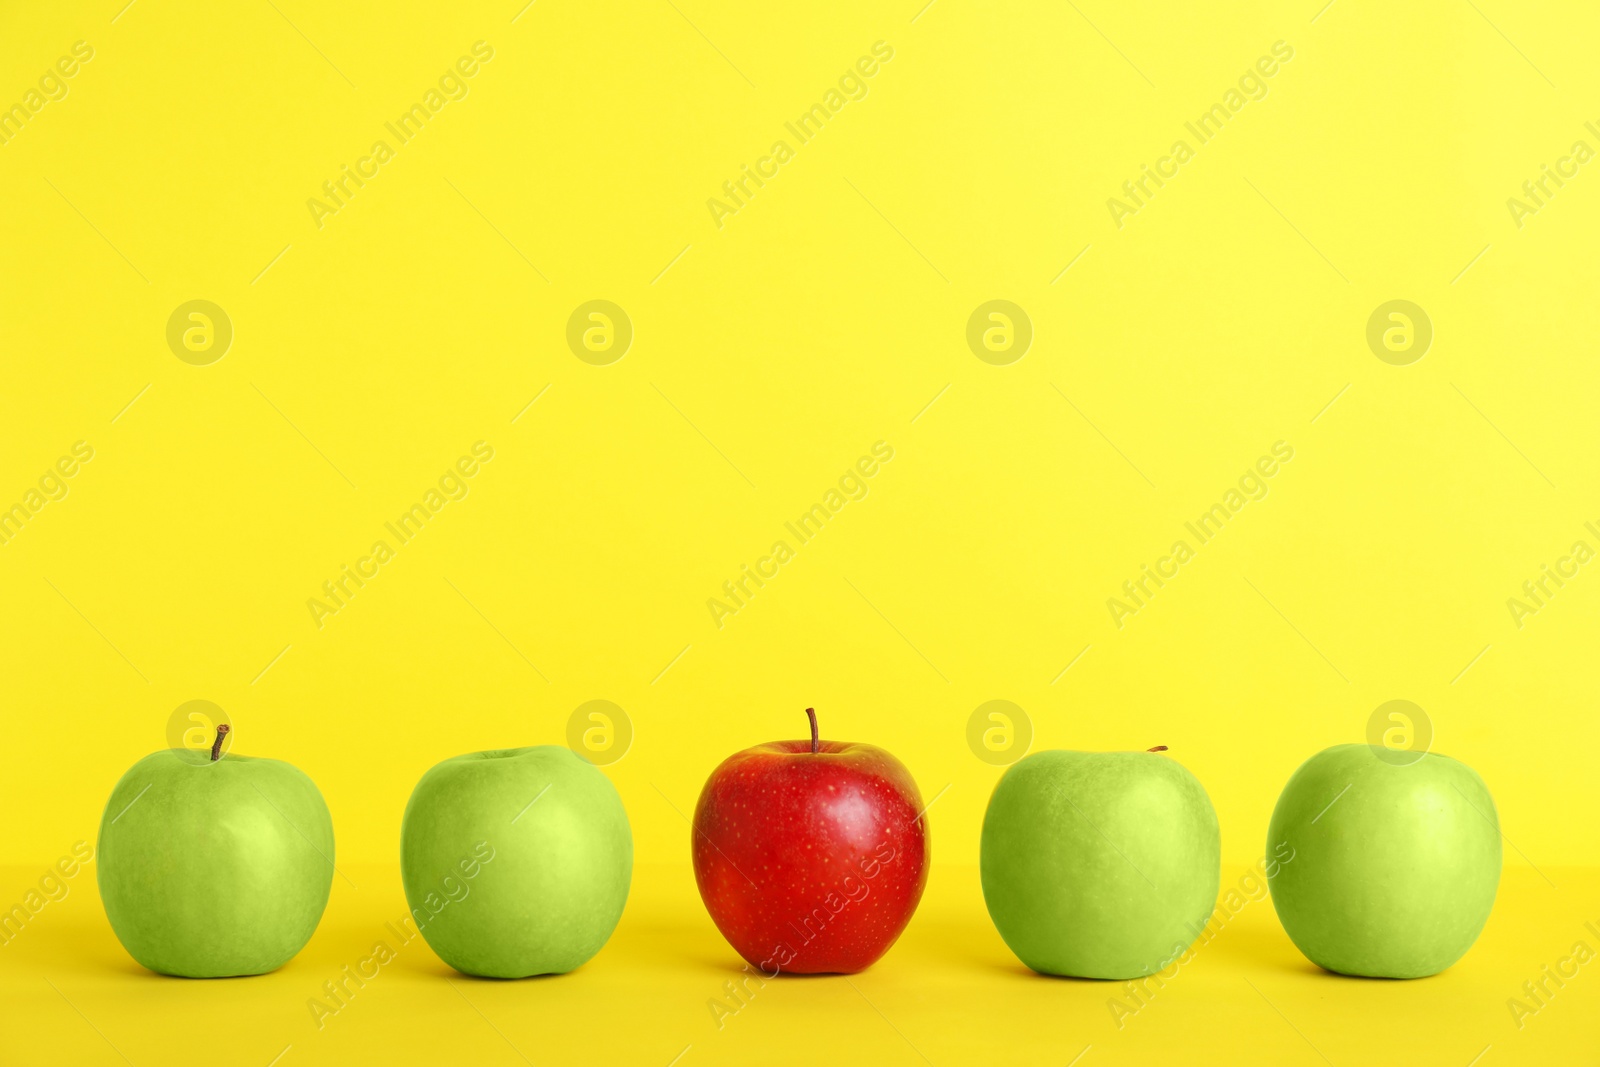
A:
[102,959]
[1316,970]
[128,967]
[1264,948]
[1026,973]
[451,974]
[99,959]
[432,967]
[210,978]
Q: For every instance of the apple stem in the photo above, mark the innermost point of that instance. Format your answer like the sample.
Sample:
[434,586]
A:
[811,713]
[216,746]
[1158,748]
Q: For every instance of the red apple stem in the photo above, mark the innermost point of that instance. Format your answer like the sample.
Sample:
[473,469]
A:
[811,713]
[216,746]
[1158,748]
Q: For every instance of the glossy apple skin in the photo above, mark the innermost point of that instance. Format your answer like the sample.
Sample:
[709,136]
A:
[219,868]
[1099,864]
[810,863]
[1396,877]
[516,861]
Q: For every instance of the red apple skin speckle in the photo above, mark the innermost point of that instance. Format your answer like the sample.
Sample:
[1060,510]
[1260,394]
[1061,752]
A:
[810,863]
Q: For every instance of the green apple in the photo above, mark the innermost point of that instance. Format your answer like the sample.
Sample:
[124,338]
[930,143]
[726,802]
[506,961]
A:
[516,861]
[1396,860]
[1099,864]
[214,867]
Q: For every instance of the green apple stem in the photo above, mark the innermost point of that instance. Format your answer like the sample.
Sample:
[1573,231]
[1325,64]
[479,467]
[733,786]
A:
[1158,748]
[216,746]
[811,713]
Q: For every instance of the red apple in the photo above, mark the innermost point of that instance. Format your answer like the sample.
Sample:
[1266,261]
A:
[810,855]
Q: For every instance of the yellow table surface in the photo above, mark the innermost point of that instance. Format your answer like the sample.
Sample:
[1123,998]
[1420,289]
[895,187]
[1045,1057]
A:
[948,993]
[383,327]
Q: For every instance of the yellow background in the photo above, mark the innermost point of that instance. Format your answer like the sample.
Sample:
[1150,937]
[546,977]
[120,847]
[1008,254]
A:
[769,354]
